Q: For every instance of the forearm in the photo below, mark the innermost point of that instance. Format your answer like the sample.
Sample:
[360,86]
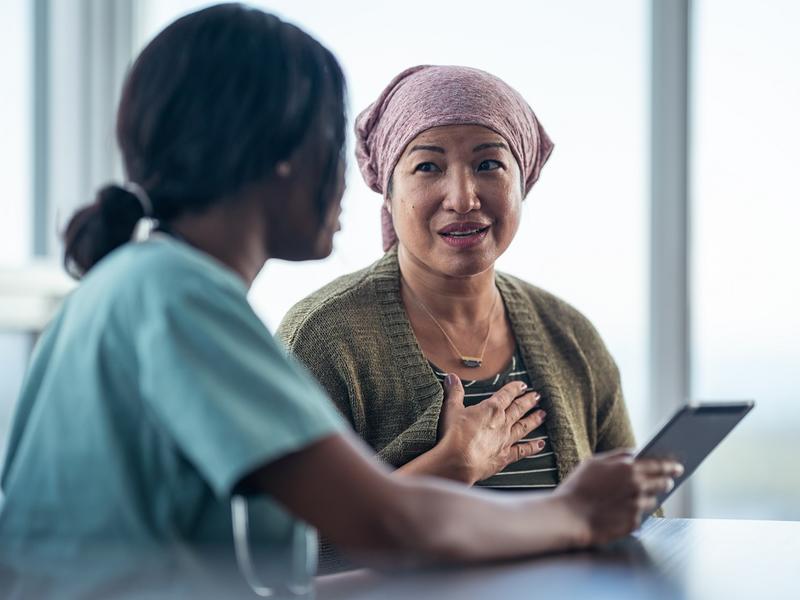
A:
[451,524]
[438,462]
[385,520]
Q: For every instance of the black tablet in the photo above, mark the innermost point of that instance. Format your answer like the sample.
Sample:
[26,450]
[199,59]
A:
[691,434]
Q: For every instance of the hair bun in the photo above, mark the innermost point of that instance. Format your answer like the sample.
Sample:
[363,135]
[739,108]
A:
[99,228]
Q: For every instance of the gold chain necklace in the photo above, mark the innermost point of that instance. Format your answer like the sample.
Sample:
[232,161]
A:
[473,362]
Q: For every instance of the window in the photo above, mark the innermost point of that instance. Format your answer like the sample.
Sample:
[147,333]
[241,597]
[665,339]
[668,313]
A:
[16,122]
[746,289]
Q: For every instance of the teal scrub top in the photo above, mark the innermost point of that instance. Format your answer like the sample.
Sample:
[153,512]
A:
[153,392]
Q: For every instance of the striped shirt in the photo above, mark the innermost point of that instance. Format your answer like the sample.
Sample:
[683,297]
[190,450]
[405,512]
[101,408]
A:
[532,472]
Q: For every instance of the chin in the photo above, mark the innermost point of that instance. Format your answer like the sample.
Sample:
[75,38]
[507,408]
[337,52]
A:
[324,244]
[468,263]
[303,248]
[466,266]
[323,252]
[301,255]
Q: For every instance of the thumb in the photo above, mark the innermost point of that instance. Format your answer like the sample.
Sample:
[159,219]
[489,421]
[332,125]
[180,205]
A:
[453,392]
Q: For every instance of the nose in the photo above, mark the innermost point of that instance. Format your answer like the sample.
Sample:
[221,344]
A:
[461,193]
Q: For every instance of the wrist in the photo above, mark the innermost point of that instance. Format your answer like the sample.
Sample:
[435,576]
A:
[578,529]
[451,462]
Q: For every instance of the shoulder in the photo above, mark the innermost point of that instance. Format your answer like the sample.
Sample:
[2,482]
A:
[336,311]
[178,267]
[161,281]
[170,265]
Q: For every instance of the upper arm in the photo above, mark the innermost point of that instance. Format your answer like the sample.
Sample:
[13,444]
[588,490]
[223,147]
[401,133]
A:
[335,485]
[612,424]
[614,428]
[212,377]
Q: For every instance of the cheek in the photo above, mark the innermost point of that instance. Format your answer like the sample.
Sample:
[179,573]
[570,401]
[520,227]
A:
[411,214]
[504,200]
[513,211]
[506,209]
[512,221]
[334,211]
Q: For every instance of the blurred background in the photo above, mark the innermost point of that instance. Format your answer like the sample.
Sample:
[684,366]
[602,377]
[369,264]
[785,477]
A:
[668,212]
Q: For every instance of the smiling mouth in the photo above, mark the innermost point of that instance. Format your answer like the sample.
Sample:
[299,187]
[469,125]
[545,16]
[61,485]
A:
[465,233]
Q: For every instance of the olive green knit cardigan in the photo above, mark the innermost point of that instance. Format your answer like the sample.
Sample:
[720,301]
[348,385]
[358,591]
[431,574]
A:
[355,338]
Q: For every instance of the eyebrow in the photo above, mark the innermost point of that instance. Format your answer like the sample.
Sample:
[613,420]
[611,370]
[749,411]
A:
[438,149]
[480,147]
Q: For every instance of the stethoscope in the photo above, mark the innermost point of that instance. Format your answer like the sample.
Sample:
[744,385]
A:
[241,544]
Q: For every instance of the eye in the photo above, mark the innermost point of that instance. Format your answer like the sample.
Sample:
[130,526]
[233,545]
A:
[426,167]
[490,165]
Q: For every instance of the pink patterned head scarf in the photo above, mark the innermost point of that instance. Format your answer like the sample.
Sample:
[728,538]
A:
[428,96]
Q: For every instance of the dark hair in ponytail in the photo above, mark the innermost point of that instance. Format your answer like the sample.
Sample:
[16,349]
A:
[97,229]
[210,105]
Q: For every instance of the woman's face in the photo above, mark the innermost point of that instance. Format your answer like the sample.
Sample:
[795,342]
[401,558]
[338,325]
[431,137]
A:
[455,199]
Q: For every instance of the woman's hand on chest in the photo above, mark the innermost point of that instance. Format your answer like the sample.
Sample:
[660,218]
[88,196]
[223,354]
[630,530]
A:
[483,439]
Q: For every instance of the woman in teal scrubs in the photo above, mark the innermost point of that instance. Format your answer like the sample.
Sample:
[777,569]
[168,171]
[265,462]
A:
[163,443]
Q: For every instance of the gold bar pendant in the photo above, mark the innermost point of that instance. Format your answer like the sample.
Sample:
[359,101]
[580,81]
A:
[473,362]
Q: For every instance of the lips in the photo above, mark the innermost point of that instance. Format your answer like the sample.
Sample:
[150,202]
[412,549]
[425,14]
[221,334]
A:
[463,229]
[464,235]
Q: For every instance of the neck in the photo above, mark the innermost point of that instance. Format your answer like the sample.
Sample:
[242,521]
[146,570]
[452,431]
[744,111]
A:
[230,233]
[454,299]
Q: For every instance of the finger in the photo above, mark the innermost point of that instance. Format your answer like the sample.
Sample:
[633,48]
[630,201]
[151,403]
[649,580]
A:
[527,424]
[646,504]
[520,450]
[617,458]
[453,392]
[522,405]
[616,453]
[655,486]
[506,394]
[659,467]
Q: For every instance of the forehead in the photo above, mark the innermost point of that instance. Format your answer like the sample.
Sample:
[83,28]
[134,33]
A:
[455,136]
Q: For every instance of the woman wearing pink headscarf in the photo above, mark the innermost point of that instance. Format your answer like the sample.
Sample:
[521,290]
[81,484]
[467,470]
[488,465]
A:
[419,349]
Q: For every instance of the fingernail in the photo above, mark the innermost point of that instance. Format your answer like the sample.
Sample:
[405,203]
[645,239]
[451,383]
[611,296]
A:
[448,380]
[540,444]
[523,385]
[542,414]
